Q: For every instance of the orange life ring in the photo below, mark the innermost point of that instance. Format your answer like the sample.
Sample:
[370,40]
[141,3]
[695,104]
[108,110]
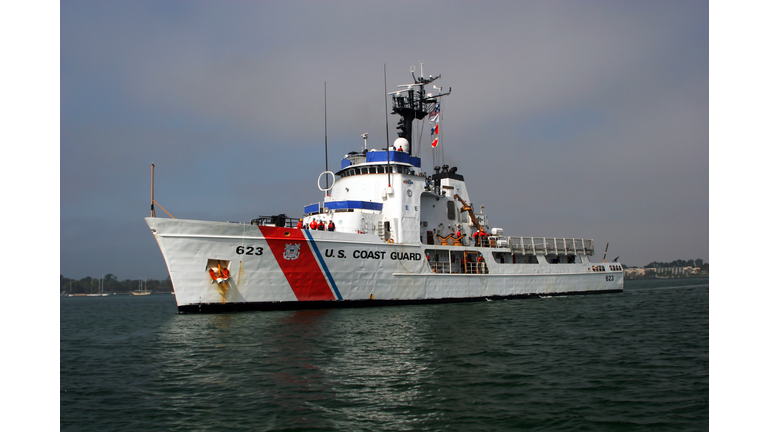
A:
[223,274]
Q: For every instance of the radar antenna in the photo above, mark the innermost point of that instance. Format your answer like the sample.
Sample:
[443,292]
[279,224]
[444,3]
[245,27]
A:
[413,103]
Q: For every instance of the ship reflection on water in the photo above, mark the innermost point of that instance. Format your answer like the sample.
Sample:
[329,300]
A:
[358,364]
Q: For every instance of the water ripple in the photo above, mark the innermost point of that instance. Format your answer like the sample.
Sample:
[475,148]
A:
[632,361]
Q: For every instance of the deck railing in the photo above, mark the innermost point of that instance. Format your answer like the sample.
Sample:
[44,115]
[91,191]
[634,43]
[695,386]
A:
[440,267]
[469,267]
[475,268]
[551,245]
[538,245]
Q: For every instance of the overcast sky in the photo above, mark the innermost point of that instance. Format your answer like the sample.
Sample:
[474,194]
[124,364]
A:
[567,119]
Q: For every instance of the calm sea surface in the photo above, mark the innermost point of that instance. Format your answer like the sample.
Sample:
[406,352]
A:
[634,361]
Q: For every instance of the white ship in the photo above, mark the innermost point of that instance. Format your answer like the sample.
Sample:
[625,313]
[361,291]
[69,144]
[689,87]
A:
[402,235]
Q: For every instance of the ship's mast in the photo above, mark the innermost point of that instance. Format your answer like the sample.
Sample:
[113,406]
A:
[412,103]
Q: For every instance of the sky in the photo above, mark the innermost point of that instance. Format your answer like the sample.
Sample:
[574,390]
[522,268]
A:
[581,119]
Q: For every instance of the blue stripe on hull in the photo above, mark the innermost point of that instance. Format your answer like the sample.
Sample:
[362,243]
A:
[325,267]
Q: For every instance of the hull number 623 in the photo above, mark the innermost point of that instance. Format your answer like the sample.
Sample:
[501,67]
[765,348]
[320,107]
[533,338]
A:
[249,250]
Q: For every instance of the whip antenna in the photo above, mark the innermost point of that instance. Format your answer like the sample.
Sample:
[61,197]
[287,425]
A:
[152,197]
[386,122]
[152,194]
[325,100]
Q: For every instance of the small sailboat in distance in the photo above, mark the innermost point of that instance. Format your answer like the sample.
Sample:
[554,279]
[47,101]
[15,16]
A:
[98,292]
[101,287]
[142,289]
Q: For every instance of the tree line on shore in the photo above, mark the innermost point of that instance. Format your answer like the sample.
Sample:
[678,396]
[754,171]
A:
[698,262]
[110,284]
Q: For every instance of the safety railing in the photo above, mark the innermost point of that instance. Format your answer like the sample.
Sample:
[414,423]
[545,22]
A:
[475,268]
[537,245]
[551,245]
[440,267]
[468,267]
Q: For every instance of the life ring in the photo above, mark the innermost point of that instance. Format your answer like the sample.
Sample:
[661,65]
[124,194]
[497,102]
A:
[390,241]
[222,277]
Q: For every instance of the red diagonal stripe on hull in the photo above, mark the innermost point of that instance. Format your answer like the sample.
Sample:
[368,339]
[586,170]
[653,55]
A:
[304,274]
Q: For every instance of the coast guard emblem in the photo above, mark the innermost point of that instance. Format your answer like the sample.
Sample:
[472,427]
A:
[291,251]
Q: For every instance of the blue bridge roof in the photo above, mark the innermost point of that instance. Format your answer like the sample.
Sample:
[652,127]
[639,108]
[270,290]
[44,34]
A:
[381,156]
[343,205]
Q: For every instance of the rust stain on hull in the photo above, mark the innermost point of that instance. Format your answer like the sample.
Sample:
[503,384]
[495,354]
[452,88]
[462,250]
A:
[240,272]
[223,288]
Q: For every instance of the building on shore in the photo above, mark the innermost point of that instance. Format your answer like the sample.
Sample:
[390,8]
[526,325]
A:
[633,272]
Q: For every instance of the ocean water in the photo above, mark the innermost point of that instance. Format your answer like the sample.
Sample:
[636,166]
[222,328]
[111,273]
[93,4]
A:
[634,361]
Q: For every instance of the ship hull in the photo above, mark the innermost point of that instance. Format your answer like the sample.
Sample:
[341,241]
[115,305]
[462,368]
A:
[278,268]
[328,304]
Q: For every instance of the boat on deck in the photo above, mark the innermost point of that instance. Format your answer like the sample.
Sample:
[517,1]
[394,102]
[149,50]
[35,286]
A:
[386,232]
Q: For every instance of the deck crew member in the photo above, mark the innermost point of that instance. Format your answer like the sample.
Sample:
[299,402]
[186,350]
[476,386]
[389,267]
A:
[321,226]
[482,238]
[331,226]
[313,224]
